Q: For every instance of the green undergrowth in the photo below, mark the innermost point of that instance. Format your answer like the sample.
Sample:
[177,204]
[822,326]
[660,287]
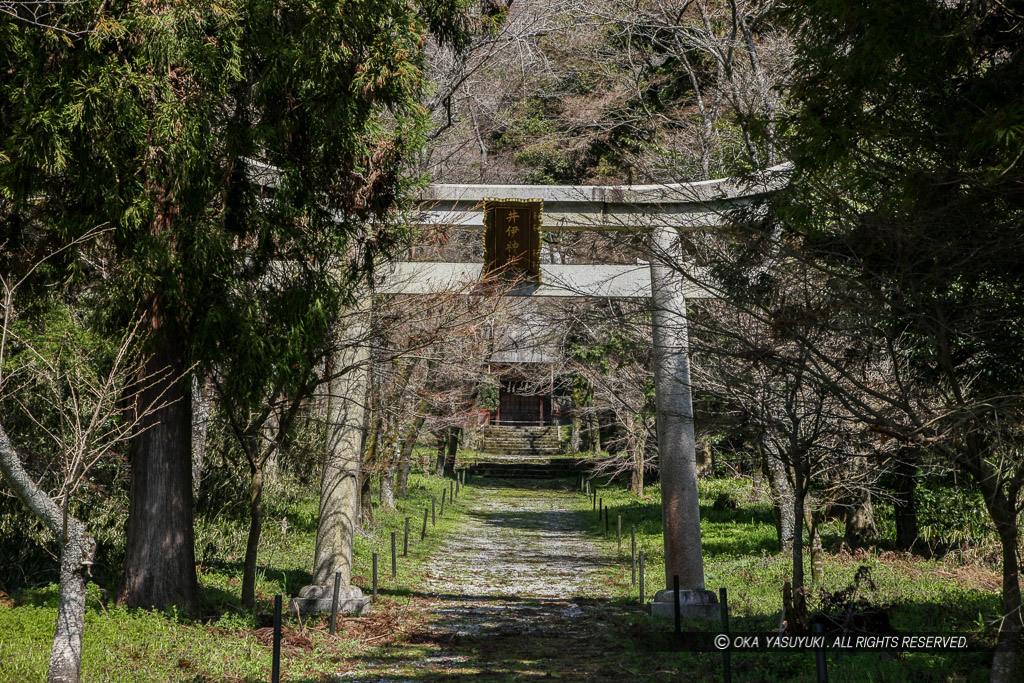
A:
[227,643]
[741,554]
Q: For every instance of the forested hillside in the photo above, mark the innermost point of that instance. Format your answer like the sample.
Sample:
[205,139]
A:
[609,92]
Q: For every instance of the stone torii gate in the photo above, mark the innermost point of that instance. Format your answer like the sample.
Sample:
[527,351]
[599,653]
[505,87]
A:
[663,212]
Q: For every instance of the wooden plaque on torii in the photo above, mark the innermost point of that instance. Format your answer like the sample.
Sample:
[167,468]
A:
[512,238]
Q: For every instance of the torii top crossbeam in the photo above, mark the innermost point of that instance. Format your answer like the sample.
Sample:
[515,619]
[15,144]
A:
[632,208]
[697,205]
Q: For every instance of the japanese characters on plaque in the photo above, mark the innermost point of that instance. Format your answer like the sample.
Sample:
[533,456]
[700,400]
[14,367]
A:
[512,238]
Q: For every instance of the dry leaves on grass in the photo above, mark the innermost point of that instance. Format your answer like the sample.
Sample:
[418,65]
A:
[968,575]
[292,641]
[380,626]
[973,577]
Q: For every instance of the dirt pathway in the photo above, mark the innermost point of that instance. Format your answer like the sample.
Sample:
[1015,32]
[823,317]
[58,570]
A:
[516,594]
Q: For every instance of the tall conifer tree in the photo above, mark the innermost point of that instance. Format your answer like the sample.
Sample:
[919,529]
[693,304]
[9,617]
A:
[218,140]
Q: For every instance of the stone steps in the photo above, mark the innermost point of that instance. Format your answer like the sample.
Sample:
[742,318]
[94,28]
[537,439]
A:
[512,443]
[512,440]
[525,470]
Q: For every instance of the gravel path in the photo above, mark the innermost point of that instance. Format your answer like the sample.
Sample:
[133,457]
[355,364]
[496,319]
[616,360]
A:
[516,593]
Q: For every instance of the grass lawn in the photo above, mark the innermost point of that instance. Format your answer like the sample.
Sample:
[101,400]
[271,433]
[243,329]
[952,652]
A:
[229,643]
[741,554]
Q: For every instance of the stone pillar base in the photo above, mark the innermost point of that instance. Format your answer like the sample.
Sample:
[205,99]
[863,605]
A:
[693,604]
[318,599]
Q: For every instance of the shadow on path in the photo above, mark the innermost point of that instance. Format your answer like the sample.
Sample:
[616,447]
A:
[520,592]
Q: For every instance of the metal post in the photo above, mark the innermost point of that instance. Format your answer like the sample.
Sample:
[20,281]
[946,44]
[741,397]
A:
[433,511]
[819,654]
[275,667]
[375,575]
[451,491]
[394,556]
[641,577]
[405,542]
[633,553]
[723,600]
[607,521]
[423,534]
[619,531]
[457,487]
[444,494]
[334,601]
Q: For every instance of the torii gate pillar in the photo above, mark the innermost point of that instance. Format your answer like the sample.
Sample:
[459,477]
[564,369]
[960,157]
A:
[680,507]
[339,483]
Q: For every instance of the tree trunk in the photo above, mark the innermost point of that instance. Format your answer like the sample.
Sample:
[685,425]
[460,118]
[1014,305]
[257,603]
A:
[373,438]
[271,467]
[860,520]
[757,484]
[453,449]
[402,478]
[636,478]
[574,435]
[782,498]
[442,445]
[66,652]
[252,543]
[202,406]
[1004,660]
[799,487]
[703,453]
[425,461]
[639,447]
[387,487]
[817,554]
[77,552]
[798,544]
[365,501]
[906,502]
[1002,510]
[408,445]
[160,563]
